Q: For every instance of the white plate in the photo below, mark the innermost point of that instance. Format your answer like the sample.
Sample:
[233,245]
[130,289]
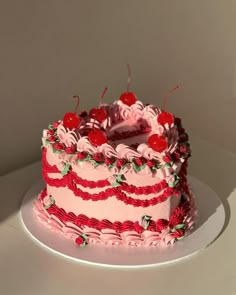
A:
[211,218]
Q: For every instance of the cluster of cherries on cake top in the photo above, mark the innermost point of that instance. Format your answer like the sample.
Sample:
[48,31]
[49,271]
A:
[97,137]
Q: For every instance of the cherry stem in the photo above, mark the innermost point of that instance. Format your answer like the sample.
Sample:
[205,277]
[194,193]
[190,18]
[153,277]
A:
[102,96]
[129,78]
[77,105]
[168,95]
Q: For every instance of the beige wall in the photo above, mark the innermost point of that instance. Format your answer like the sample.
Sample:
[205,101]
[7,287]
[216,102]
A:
[51,50]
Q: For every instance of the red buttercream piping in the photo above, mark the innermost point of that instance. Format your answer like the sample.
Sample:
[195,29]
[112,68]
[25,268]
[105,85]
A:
[181,211]
[143,190]
[71,180]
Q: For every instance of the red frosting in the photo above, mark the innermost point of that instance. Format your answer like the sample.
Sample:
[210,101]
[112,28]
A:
[71,179]
[81,220]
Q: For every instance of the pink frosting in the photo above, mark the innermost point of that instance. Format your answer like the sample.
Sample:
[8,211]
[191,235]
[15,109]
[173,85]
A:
[66,136]
[140,121]
[124,151]
[131,118]
[133,112]
[83,145]
[47,201]
[108,236]
[51,221]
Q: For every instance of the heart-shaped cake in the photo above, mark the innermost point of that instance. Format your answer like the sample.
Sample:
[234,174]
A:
[117,175]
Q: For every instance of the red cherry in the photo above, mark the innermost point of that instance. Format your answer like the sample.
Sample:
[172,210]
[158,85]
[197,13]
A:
[71,120]
[165,117]
[157,143]
[98,114]
[128,98]
[97,137]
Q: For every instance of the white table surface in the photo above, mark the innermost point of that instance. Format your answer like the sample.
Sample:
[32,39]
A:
[27,268]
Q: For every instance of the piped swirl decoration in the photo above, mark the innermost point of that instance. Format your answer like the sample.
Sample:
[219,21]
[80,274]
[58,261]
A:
[134,121]
[129,233]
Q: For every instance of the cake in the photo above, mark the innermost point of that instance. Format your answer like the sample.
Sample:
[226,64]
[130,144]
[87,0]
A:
[117,175]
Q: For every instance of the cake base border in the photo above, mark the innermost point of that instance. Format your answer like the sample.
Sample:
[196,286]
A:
[209,224]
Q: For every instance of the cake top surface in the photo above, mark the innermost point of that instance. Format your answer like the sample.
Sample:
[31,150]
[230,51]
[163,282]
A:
[125,131]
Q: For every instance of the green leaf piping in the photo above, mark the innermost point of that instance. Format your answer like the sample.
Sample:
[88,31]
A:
[85,237]
[145,221]
[66,169]
[52,201]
